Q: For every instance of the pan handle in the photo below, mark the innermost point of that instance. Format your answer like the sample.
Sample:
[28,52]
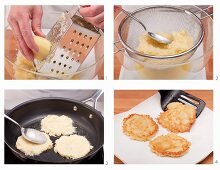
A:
[94,98]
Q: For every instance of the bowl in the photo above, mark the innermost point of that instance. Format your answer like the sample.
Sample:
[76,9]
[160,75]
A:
[182,66]
[91,68]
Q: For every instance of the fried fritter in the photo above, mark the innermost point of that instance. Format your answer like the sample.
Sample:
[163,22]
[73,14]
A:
[178,118]
[169,145]
[139,127]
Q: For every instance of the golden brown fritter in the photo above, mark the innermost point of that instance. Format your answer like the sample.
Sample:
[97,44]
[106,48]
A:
[139,127]
[178,117]
[169,145]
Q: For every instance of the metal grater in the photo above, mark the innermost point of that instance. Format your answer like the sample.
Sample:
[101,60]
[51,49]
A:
[72,39]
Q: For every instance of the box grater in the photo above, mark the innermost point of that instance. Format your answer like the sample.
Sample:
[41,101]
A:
[72,39]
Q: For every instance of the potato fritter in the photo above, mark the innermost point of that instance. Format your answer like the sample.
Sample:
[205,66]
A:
[139,127]
[169,145]
[178,118]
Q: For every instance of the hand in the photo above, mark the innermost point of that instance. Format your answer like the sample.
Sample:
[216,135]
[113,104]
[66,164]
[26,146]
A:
[93,14]
[19,19]
[117,8]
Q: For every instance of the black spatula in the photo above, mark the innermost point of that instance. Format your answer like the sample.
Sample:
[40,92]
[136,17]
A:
[168,96]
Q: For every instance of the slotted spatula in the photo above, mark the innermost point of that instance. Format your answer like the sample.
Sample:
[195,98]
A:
[168,96]
[72,39]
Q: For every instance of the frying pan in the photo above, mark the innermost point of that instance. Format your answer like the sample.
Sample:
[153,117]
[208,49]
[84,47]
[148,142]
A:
[89,123]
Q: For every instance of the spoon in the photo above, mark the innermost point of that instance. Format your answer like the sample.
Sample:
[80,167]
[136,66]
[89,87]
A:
[32,135]
[152,35]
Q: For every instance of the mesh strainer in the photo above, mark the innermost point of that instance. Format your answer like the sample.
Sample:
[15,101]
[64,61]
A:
[167,19]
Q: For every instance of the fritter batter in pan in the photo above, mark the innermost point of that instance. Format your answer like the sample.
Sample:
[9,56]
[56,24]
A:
[32,149]
[72,147]
[57,125]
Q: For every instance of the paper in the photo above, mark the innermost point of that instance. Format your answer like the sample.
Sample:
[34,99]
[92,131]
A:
[136,152]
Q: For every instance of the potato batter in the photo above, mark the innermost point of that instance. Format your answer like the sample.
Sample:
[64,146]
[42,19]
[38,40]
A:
[181,41]
[22,66]
[22,63]
[72,147]
[57,125]
[31,149]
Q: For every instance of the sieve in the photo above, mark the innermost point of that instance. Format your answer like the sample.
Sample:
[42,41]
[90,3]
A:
[72,39]
[167,19]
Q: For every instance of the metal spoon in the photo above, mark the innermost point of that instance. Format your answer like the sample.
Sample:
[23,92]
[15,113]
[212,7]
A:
[154,36]
[32,135]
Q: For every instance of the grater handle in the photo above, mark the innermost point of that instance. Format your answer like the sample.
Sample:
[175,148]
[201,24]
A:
[97,29]
[71,12]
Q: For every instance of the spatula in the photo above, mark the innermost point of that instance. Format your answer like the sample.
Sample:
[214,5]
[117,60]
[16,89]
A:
[169,96]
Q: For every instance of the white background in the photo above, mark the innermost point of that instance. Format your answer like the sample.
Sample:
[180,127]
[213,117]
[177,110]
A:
[109,84]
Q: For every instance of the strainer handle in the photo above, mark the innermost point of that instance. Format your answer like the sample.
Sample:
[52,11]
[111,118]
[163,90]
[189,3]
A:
[118,49]
[134,18]
[209,14]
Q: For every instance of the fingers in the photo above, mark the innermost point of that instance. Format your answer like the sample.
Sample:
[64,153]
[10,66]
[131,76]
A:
[91,11]
[36,21]
[210,9]
[19,19]
[98,20]
[25,30]
[93,14]
[117,8]
[18,36]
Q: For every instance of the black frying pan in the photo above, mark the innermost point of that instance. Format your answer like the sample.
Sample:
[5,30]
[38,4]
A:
[29,114]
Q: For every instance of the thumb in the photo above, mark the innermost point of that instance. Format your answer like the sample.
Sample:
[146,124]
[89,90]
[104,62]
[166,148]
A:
[36,21]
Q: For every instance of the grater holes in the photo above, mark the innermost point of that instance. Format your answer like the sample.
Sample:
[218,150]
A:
[71,41]
[80,34]
[54,61]
[59,64]
[62,73]
[67,57]
[85,36]
[77,43]
[90,38]
[74,31]
[77,61]
[64,65]
[70,67]
[72,59]
[64,46]
[82,45]
[61,55]
[57,71]
[52,70]
[87,46]
[69,49]
[74,52]
[79,53]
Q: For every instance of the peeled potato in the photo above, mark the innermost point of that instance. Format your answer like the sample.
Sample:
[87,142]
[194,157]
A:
[44,48]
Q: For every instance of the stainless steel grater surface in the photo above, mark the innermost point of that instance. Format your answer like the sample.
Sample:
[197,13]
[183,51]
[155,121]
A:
[72,39]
